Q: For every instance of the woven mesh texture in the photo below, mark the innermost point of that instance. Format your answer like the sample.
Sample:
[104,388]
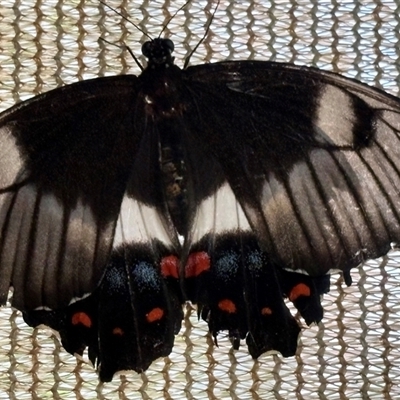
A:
[355,352]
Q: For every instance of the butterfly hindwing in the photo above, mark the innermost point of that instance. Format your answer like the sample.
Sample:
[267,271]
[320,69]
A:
[131,319]
[236,290]
[77,325]
[134,339]
[236,284]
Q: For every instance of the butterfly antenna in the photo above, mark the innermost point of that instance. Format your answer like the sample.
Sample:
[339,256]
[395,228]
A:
[126,19]
[204,36]
[166,25]
[124,47]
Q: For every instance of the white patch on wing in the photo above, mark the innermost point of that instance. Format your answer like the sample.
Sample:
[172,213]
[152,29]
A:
[82,230]
[15,226]
[219,213]
[10,157]
[335,117]
[16,238]
[335,207]
[74,299]
[376,100]
[42,248]
[139,223]
[47,240]
[286,232]
[388,139]
[311,211]
[81,248]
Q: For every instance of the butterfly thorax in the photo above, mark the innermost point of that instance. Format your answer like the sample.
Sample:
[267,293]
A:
[163,102]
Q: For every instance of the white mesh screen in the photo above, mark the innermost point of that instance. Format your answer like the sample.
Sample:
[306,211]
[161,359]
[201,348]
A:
[355,352]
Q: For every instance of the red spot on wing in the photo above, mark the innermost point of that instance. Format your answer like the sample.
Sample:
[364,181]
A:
[266,311]
[155,314]
[118,331]
[227,306]
[197,263]
[299,290]
[81,318]
[170,266]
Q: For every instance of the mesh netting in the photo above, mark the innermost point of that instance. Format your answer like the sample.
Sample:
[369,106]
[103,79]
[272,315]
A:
[355,352]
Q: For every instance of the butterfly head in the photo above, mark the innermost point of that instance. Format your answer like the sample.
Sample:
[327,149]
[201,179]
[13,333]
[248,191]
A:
[158,52]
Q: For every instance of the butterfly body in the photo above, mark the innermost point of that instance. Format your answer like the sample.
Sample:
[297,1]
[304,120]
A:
[274,175]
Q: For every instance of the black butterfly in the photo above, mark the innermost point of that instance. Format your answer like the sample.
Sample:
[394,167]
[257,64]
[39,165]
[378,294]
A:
[274,175]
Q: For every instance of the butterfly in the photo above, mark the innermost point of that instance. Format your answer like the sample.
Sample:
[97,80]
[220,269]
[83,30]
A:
[273,174]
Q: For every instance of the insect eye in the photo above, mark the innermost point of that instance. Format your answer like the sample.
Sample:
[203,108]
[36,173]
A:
[169,45]
[146,49]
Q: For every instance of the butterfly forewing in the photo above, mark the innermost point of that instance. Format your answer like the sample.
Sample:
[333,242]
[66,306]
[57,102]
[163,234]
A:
[312,163]
[57,225]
